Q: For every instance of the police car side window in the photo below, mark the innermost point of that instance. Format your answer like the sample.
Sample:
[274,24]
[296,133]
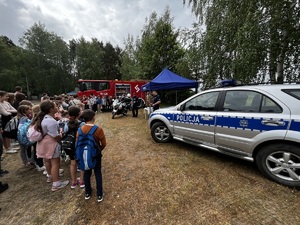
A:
[249,101]
[205,101]
[269,106]
[235,101]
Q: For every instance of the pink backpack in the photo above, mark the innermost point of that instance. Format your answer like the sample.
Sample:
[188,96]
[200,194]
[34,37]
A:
[34,135]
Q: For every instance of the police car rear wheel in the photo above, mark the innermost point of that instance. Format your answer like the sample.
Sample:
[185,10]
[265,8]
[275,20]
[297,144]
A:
[160,133]
[281,163]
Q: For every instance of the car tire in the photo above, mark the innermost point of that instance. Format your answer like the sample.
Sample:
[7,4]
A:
[280,163]
[160,133]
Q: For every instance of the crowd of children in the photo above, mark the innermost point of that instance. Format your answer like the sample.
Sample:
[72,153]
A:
[93,102]
[55,118]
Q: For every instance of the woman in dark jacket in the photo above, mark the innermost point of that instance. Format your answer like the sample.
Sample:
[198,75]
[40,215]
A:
[19,97]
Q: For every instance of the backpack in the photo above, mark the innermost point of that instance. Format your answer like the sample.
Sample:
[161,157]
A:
[87,150]
[12,128]
[34,135]
[69,138]
[22,133]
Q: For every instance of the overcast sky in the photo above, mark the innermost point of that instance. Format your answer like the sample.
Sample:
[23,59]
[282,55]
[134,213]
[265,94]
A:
[107,20]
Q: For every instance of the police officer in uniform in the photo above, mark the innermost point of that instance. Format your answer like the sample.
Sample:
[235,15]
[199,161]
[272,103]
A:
[135,104]
[156,100]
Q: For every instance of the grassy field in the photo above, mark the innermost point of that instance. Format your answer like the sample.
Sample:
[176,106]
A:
[150,183]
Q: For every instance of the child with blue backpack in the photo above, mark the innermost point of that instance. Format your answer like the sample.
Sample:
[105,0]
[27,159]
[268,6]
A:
[93,155]
[23,114]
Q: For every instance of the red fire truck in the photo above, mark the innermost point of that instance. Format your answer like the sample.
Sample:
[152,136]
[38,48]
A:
[113,88]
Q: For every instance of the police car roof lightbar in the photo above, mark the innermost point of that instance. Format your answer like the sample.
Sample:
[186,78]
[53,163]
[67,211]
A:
[228,83]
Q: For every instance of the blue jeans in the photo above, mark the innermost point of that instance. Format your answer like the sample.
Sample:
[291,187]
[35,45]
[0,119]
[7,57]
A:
[98,176]
[24,154]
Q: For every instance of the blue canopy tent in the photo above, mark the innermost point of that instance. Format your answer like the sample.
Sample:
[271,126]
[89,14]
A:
[167,80]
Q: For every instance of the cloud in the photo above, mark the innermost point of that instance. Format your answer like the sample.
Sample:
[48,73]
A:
[10,25]
[108,21]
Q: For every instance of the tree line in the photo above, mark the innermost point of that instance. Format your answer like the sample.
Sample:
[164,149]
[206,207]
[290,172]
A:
[251,41]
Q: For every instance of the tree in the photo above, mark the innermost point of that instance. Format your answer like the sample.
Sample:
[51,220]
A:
[48,60]
[158,47]
[190,65]
[46,63]
[129,68]
[73,60]
[249,40]
[94,60]
[112,62]
[89,59]
[9,65]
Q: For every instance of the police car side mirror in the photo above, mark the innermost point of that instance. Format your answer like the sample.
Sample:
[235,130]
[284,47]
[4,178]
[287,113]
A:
[182,107]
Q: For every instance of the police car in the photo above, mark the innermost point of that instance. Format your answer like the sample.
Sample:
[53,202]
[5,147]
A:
[259,123]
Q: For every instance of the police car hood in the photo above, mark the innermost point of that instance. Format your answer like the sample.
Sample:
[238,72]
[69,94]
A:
[168,109]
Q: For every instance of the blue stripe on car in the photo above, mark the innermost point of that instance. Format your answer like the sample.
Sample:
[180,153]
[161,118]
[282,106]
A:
[237,122]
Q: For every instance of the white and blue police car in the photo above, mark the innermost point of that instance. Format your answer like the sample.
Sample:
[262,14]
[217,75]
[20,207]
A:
[260,123]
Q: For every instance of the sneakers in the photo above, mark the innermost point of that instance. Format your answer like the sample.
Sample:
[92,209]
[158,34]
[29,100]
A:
[87,196]
[49,179]
[81,184]
[15,144]
[31,164]
[40,169]
[61,184]
[99,198]
[78,182]
[61,171]
[74,185]
[10,151]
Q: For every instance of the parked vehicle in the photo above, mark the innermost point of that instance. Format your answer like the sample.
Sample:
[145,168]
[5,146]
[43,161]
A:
[121,106]
[113,88]
[258,123]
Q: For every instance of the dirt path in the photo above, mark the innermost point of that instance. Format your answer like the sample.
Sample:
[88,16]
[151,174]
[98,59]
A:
[149,183]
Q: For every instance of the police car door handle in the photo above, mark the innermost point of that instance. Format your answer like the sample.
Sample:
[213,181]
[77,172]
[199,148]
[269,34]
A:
[207,118]
[273,122]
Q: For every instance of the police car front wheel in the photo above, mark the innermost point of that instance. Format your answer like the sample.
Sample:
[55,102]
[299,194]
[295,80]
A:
[281,163]
[160,132]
